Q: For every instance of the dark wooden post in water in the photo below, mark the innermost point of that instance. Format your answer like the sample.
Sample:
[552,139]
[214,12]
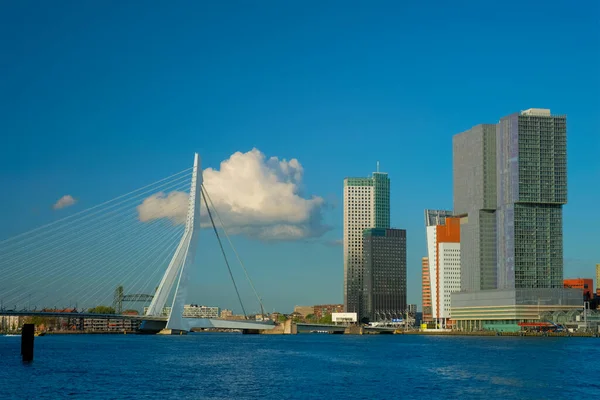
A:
[27,336]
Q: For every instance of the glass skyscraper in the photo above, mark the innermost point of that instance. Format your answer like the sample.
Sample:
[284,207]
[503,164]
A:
[384,279]
[366,205]
[532,188]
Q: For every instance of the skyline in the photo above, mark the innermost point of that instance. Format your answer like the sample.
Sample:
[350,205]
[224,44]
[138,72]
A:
[98,116]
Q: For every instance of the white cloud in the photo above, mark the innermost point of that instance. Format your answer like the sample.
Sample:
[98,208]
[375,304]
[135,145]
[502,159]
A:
[162,205]
[65,201]
[255,196]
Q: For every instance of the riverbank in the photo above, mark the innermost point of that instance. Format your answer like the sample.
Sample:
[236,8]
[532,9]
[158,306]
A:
[492,333]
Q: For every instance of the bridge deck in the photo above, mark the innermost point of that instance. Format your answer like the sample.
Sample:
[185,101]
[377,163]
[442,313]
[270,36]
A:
[191,322]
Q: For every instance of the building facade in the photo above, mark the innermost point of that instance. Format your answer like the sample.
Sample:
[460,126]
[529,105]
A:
[426,290]
[366,205]
[531,190]
[412,309]
[323,310]
[474,185]
[529,186]
[598,279]
[585,285]
[196,311]
[384,282]
[304,310]
[444,248]
[433,219]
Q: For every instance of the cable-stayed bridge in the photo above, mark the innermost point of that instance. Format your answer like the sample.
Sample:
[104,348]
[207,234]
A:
[145,241]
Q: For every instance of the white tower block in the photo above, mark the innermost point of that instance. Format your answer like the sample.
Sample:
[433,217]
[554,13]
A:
[182,259]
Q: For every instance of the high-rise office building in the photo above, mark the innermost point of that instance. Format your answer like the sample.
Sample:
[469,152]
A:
[443,245]
[531,190]
[509,188]
[384,279]
[474,172]
[433,218]
[366,205]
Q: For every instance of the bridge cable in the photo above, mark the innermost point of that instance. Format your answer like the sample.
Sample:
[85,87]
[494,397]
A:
[49,249]
[234,250]
[223,251]
[94,207]
[23,247]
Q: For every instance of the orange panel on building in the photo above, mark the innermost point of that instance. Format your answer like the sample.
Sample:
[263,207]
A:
[426,292]
[585,284]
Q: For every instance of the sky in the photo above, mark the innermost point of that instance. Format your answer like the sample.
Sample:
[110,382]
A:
[100,98]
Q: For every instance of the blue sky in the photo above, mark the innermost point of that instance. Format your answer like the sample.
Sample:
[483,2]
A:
[97,99]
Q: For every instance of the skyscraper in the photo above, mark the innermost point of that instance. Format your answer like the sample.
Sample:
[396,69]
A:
[474,172]
[384,283]
[510,184]
[366,205]
[531,190]
[443,261]
[432,219]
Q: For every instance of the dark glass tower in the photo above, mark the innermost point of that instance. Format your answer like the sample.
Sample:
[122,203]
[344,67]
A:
[384,283]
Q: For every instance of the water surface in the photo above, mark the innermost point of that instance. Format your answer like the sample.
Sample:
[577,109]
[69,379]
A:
[235,366]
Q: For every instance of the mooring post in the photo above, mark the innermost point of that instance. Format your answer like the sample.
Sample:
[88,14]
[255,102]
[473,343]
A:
[27,336]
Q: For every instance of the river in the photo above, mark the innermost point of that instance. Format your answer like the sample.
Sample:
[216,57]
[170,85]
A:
[310,366]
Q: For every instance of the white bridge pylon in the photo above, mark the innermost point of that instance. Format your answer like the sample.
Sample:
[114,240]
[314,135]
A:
[176,274]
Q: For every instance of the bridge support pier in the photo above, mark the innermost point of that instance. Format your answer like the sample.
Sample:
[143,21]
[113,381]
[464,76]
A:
[354,330]
[172,332]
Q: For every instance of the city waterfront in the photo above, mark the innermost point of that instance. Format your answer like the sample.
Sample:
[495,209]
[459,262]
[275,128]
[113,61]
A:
[234,366]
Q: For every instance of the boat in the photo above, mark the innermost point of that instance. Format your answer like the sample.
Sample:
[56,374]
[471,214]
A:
[41,333]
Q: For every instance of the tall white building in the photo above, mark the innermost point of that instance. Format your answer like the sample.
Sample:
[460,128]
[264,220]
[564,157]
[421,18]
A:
[443,251]
[366,205]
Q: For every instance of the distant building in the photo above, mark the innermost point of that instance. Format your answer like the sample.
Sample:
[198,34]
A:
[412,309]
[366,205]
[304,310]
[225,313]
[384,281]
[426,290]
[344,318]
[196,311]
[586,286]
[10,323]
[433,218]
[166,311]
[110,325]
[443,243]
[598,279]
[323,310]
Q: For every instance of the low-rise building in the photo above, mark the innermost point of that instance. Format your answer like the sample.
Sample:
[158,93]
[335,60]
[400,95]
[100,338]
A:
[225,313]
[586,285]
[10,323]
[304,310]
[110,324]
[196,311]
[504,309]
[323,310]
[344,318]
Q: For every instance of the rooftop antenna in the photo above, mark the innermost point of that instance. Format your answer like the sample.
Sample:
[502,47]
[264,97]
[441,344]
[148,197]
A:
[378,166]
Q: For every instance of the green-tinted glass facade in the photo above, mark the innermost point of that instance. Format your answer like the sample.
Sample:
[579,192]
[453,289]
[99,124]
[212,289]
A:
[381,183]
[366,205]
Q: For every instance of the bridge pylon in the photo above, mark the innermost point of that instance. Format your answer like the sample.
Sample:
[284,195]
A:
[176,275]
